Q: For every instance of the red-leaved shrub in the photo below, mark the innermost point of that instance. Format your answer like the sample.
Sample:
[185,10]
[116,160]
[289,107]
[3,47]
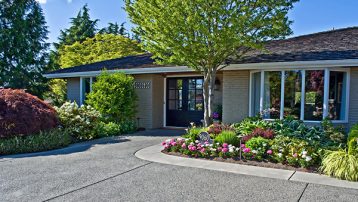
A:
[23,114]
[217,128]
[259,132]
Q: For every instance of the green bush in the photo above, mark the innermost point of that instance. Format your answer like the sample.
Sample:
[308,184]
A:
[48,140]
[113,129]
[193,133]
[113,95]
[228,137]
[340,164]
[246,126]
[258,146]
[81,122]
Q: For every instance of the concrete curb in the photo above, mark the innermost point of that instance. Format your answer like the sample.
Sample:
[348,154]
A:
[154,154]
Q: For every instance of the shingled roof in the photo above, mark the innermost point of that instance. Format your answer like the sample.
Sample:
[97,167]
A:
[337,44]
[330,45]
[129,62]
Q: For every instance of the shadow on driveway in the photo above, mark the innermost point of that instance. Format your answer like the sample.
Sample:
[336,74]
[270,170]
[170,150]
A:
[84,146]
[73,148]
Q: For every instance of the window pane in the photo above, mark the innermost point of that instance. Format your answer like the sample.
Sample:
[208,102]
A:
[172,105]
[199,106]
[337,96]
[192,83]
[255,93]
[191,105]
[314,95]
[199,83]
[272,95]
[293,84]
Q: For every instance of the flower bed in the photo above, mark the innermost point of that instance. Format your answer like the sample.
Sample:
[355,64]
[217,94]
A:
[285,144]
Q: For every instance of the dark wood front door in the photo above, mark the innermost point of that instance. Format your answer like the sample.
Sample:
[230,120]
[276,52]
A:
[184,101]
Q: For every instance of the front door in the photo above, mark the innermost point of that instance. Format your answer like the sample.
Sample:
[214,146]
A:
[184,101]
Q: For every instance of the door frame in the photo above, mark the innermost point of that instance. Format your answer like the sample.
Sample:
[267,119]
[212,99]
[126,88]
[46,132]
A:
[165,95]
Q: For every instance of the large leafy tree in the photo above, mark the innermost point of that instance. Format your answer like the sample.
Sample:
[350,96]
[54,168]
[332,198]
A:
[23,46]
[99,48]
[203,34]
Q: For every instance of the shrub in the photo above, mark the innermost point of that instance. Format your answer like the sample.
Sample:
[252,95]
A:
[259,132]
[228,137]
[113,95]
[353,140]
[258,148]
[43,141]
[193,133]
[246,126]
[24,114]
[340,164]
[108,129]
[217,128]
[80,121]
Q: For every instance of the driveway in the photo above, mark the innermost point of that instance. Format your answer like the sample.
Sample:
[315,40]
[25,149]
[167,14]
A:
[107,170]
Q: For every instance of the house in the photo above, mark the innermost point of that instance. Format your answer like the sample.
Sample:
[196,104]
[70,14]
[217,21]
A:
[307,77]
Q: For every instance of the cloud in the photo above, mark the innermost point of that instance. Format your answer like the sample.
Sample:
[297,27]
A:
[42,1]
[69,1]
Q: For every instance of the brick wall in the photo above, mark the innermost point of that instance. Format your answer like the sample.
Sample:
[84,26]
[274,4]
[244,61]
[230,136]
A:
[235,95]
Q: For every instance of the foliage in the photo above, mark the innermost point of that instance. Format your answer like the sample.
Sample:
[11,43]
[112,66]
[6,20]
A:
[259,132]
[248,125]
[81,122]
[57,92]
[108,129]
[23,114]
[23,47]
[217,128]
[228,137]
[193,133]
[43,141]
[82,27]
[98,48]
[258,148]
[113,95]
[114,28]
[340,164]
[353,140]
[295,152]
[204,34]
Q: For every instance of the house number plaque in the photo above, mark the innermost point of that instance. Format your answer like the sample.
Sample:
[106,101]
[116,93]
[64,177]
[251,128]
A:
[142,84]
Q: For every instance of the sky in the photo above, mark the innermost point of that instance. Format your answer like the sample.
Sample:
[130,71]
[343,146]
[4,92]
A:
[309,16]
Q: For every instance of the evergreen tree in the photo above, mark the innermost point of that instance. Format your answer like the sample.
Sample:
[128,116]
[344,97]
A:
[82,27]
[23,47]
[114,28]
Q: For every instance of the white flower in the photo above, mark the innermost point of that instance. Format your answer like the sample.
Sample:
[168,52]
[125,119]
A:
[237,149]
[231,150]
[180,139]
[254,151]
[217,143]
[304,153]
[191,143]
[230,145]
[210,145]
[196,141]
[304,156]
[168,141]
[308,158]
[264,144]
[212,149]
[279,155]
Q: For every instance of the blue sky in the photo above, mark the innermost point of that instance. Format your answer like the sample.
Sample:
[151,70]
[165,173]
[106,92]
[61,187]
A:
[309,15]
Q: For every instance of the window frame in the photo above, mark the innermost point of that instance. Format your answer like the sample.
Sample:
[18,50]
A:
[303,90]
[82,90]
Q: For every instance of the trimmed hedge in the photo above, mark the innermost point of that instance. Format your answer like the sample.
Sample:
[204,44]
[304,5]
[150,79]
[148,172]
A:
[23,114]
[43,141]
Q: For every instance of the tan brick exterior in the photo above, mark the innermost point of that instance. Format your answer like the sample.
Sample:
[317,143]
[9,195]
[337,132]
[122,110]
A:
[73,89]
[235,95]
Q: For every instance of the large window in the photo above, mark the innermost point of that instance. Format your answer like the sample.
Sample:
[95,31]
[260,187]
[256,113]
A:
[308,95]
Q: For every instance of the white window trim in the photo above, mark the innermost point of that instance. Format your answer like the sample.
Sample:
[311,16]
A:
[303,70]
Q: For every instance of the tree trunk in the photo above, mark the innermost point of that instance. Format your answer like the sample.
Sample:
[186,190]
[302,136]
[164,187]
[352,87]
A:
[208,94]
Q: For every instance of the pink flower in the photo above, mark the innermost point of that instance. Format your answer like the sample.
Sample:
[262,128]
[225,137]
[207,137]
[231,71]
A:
[225,150]
[295,155]
[166,146]
[192,148]
[199,145]
[206,142]
[164,143]
[173,143]
[225,145]
[269,152]
[219,149]
[183,146]
[202,150]
[246,150]
[243,146]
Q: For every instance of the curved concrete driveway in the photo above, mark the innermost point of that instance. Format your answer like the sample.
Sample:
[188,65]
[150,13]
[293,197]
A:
[107,170]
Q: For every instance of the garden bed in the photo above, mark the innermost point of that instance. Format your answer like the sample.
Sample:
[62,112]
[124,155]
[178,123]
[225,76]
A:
[265,164]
